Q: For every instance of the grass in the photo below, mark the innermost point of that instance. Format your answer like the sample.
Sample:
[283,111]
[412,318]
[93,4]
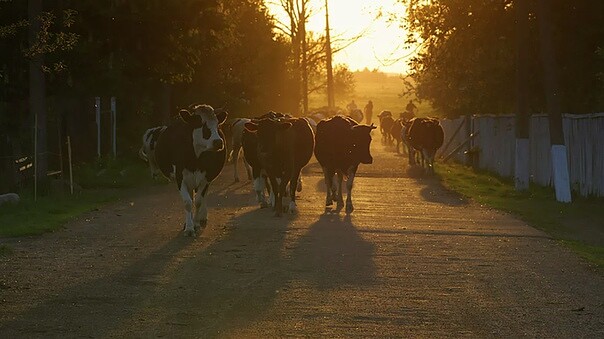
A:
[574,224]
[384,91]
[101,183]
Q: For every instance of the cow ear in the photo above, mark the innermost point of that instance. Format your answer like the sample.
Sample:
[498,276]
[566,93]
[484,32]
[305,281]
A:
[250,126]
[221,115]
[185,115]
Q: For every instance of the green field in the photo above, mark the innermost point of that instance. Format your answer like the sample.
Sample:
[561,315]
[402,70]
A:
[385,90]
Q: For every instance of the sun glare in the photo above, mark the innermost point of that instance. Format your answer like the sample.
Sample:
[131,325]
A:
[381,45]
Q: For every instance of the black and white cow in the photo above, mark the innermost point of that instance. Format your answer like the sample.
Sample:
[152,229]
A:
[284,146]
[426,135]
[341,145]
[237,127]
[192,151]
[147,150]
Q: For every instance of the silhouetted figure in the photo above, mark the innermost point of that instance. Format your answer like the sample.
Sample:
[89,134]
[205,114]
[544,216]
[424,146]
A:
[351,106]
[369,112]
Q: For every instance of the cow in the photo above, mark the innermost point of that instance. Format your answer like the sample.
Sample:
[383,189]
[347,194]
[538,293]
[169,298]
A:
[356,115]
[381,116]
[147,150]
[405,140]
[249,142]
[284,146]
[312,122]
[386,123]
[192,151]
[395,132]
[341,145]
[236,128]
[426,135]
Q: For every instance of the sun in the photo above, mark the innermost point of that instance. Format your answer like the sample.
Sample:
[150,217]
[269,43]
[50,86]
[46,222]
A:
[381,44]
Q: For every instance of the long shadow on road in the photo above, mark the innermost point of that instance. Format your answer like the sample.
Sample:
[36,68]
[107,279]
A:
[95,308]
[333,254]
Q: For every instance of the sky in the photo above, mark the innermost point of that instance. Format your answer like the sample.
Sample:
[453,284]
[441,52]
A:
[383,41]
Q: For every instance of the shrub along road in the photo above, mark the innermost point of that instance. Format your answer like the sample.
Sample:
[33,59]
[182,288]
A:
[413,260]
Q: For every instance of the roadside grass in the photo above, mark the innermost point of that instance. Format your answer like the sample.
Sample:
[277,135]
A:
[578,225]
[99,183]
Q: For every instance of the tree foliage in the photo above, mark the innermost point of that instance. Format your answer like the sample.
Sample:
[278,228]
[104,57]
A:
[467,55]
[149,54]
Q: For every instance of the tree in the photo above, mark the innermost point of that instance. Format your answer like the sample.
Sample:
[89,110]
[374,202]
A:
[466,60]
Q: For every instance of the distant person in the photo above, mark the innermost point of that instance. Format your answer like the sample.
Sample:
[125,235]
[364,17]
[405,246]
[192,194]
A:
[411,108]
[369,111]
[351,106]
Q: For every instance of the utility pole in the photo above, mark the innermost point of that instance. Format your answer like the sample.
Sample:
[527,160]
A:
[331,101]
[304,65]
[552,98]
[522,167]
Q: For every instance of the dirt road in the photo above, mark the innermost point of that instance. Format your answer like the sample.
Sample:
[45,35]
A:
[413,260]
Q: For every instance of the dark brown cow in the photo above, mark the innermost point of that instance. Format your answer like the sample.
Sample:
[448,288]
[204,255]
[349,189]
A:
[426,135]
[381,116]
[341,145]
[395,132]
[284,146]
[385,125]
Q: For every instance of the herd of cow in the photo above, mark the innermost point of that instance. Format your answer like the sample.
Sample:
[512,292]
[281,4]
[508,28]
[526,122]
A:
[192,150]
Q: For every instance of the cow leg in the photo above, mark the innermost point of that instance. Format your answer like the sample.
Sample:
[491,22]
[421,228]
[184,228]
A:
[351,174]
[423,158]
[271,191]
[259,187]
[235,155]
[430,161]
[411,157]
[276,192]
[339,197]
[328,174]
[201,209]
[187,193]
[299,187]
[293,186]
[248,169]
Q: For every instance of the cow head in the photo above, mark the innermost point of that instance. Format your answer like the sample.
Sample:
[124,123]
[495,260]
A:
[361,140]
[205,121]
[269,132]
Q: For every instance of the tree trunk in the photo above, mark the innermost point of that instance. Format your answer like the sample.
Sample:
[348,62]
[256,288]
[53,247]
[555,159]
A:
[304,65]
[37,88]
[331,101]
[552,96]
[521,164]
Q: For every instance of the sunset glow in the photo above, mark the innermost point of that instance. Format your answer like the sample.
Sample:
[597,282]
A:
[382,44]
